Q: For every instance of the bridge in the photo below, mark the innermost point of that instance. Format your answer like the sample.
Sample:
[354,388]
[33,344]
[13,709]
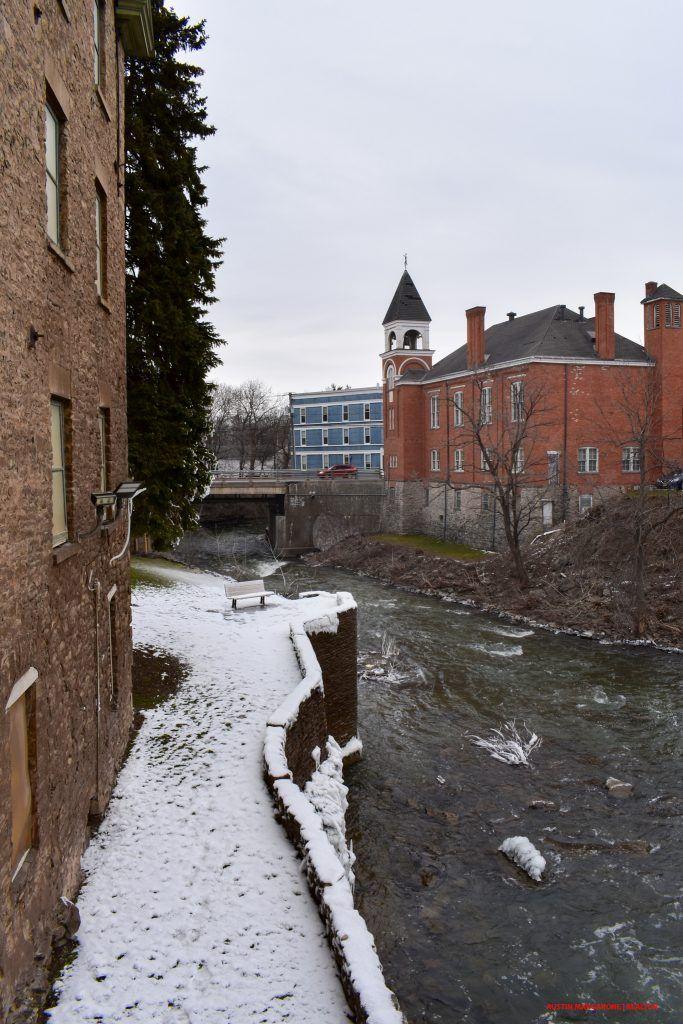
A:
[303,513]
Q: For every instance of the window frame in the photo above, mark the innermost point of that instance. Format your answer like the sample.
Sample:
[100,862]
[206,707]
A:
[435,460]
[458,402]
[302,439]
[655,314]
[367,460]
[345,413]
[582,499]
[100,241]
[98,36]
[53,180]
[325,436]
[457,499]
[486,405]
[345,435]
[458,460]
[366,410]
[630,463]
[303,461]
[302,414]
[367,436]
[58,406]
[517,401]
[103,428]
[585,460]
[434,419]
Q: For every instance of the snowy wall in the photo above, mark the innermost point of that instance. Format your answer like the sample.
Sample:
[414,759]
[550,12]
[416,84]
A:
[317,707]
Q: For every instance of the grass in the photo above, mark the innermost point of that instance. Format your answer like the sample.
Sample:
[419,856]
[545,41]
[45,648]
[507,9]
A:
[432,545]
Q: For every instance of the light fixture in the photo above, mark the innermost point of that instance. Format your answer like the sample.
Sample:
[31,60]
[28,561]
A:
[103,499]
[125,494]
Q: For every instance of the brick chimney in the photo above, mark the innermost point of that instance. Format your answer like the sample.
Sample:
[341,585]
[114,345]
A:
[604,325]
[650,287]
[475,336]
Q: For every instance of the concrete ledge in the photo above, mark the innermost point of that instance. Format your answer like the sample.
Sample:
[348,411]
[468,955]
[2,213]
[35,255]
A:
[299,721]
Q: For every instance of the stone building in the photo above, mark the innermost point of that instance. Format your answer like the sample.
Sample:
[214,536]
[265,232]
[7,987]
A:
[65,640]
[573,404]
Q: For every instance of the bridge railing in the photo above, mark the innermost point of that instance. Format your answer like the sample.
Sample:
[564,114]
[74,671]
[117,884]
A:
[284,475]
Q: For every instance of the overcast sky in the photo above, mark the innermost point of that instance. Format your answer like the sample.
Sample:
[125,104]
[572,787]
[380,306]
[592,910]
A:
[522,154]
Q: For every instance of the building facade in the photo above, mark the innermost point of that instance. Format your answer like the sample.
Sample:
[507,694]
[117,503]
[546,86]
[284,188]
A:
[65,662]
[333,427]
[568,405]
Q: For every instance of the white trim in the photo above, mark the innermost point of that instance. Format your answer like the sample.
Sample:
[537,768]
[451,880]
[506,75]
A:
[21,686]
[559,360]
[414,359]
[336,396]
[111,592]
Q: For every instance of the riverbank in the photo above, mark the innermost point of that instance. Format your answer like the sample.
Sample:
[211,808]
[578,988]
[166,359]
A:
[194,908]
[579,579]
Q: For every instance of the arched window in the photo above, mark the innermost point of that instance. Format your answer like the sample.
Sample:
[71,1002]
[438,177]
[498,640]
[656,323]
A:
[411,338]
[391,341]
[391,374]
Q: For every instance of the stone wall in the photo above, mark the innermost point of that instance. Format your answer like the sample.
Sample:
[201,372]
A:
[325,704]
[58,338]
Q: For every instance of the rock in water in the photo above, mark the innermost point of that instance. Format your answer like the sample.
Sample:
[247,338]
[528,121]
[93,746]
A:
[525,855]
[615,787]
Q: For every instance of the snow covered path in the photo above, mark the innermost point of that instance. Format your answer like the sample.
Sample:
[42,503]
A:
[194,908]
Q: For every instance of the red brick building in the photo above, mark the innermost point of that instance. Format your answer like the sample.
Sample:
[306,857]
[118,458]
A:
[595,405]
[65,643]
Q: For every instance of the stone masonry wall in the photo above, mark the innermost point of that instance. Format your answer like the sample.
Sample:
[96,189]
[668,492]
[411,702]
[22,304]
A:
[58,338]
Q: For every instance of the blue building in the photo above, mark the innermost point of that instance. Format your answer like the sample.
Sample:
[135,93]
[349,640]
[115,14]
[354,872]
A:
[332,427]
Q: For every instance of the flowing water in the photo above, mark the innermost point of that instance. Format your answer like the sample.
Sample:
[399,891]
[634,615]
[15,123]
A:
[463,934]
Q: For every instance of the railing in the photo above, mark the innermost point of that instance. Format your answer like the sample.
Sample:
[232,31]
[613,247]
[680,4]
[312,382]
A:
[284,474]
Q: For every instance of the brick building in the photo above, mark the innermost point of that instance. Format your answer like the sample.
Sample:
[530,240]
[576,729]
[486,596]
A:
[65,654]
[574,383]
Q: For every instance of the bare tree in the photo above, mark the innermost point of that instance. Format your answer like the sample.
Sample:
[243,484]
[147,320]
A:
[251,426]
[504,435]
[634,429]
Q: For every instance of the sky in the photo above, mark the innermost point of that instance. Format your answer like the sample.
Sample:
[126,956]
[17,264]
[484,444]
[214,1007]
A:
[522,154]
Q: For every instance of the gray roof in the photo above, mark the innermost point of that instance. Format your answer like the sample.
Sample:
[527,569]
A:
[406,303]
[663,292]
[554,332]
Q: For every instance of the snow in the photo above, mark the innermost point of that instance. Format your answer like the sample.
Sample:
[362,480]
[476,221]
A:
[327,793]
[508,745]
[194,907]
[523,853]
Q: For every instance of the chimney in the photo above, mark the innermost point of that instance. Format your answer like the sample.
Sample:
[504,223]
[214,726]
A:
[581,309]
[511,316]
[604,325]
[650,287]
[475,336]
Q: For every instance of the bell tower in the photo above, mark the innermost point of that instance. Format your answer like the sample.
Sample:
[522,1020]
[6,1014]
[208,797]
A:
[406,332]
[662,307]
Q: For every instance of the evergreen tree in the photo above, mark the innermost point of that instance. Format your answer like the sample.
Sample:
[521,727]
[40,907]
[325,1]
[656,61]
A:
[171,263]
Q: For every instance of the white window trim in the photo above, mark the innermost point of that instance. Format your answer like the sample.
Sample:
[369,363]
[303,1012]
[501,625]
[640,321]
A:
[582,498]
[366,411]
[588,449]
[367,460]
[435,460]
[303,461]
[434,411]
[325,436]
[458,402]
[458,460]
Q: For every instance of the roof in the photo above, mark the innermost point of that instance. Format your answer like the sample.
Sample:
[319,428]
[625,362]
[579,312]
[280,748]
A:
[556,332]
[406,303]
[663,292]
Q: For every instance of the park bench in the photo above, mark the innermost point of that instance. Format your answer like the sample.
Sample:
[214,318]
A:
[248,588]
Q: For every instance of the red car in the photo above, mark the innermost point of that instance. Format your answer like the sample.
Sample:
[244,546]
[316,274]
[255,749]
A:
[341,469]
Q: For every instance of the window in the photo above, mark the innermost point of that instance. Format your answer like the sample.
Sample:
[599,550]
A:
[113,649]
[326,460]
[553,468]
[588,460]
[630,460]
[345,412]
[672,314]
[518,461]
[325,440]
[677,314]
[667,315]
[391,377]
[655,315]
[393,461]
[98,18]
[52,176]
[366,411]
[457,500]
[18,711]
[103,426]
[60,530]
[517,401]
[302,414]
[368,436]
[486,458]
[345,435]
[434,411]
[100,242]
[325,415]
[457,409]
[302,436]
[303,461]
[485,501]
[367,460]
[459,460]
[392,419]
[585,503]
[346,459]
[436,459]
[486,405]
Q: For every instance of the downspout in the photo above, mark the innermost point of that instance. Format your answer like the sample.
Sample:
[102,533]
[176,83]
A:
[129,507]
[94,586]
[565,496]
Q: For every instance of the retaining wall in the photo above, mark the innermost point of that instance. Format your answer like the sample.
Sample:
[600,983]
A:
[325,704]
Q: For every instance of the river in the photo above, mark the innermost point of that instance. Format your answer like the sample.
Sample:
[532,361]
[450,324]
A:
[463,934]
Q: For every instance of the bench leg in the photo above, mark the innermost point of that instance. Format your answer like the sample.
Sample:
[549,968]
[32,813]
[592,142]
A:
[234,602]
[263,602]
